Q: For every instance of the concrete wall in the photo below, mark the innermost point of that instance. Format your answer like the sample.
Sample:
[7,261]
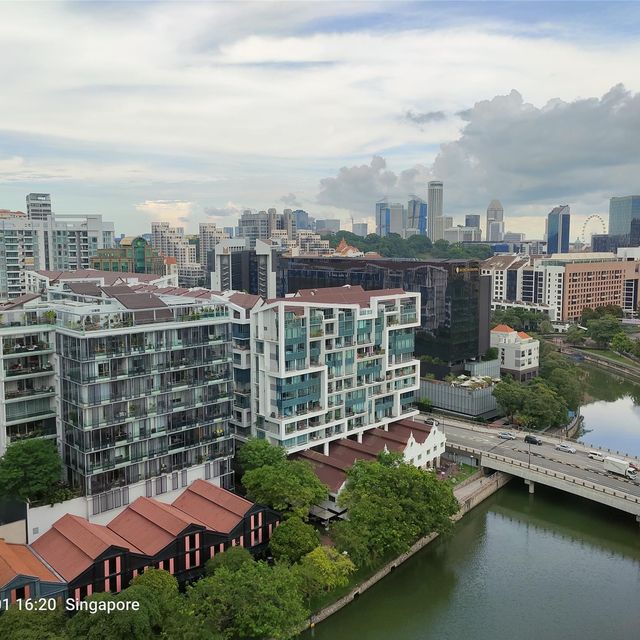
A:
[15,532]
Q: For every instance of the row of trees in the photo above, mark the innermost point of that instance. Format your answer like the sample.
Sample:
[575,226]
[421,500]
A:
[522,320]
[393,246]
[545,400]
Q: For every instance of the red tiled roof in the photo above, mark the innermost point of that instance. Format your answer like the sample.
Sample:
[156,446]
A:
[502,328]
[330,471]
[244,300]
[344,295]
[151,525]
[219,509]
[524,336]
[72,544]
[20,560]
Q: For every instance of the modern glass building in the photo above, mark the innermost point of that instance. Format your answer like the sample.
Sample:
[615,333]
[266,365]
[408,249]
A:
[454,302]
[332,363]
[558,230]
[621,212]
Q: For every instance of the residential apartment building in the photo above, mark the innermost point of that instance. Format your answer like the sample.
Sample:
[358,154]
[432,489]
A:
[27,373]
[332,363]
[52,243]
[565,283]
[171,242]
[38,206]
[210,236]
[145,392]
[263,224]
[518,352]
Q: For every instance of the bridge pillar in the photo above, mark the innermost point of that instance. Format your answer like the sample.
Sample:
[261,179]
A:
[532,485]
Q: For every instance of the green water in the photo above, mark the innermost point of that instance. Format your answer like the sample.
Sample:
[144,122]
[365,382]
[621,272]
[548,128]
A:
[611,412]
[542,567]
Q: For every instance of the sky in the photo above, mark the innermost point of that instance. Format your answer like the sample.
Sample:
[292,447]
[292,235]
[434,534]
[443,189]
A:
[194,111]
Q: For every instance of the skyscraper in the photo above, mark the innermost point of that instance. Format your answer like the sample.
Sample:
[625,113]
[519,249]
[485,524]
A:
[391,217]
[495,222]
[38,206]
[416,217]
[435,193]
[621,212]
[558,226]
[472,220]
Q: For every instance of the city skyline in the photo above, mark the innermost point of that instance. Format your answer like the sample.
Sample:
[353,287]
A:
[194,118]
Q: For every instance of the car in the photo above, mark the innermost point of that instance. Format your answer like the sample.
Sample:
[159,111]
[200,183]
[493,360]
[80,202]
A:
[506,435]
[596,455]
[563,446]
[532,439]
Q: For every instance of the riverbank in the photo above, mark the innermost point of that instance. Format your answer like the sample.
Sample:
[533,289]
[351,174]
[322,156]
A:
[469,494]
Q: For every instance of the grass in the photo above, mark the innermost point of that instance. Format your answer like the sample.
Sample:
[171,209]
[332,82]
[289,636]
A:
[465,470]
[610,355]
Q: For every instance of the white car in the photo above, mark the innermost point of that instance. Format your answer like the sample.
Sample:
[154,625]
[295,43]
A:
[563,446]
[506,435]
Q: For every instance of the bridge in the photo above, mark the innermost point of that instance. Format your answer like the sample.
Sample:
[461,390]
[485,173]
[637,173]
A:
[570,472]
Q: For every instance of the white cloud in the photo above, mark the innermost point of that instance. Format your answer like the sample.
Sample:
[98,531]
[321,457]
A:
[176,212]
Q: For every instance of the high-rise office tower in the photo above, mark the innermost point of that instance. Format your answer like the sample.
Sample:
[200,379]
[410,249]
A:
[391,217]
[621,212]
[416,217]
[558,226]
[472,220]
[38,206]
[435,230]
[360,229]
[495,221]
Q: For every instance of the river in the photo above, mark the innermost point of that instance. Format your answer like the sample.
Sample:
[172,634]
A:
[540,566]
[611,412]
[537,567]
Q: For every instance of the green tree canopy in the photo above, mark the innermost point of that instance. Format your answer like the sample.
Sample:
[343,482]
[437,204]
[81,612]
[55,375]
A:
[323,569]
[159,590]
[390,507]
[575,335]
[20,624]
[30,470]
[602,330]
[542,407]
[622,343]
[510,396]
[232,559]
[256,601]
[255,453]
[290,487]
[293,539]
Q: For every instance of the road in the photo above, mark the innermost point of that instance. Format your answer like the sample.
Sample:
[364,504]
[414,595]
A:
[577,464]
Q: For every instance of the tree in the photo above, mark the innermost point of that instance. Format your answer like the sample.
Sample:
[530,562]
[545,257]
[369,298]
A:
[567,383]
[390,507]
[293,539]
[20,624]
[575,335]
[290,486]
[102,625]
[545,327]
[621,343]
[159,590]
[232,559]
[323,569]
[510,396]
[491,353]
[257,601]
[601,331]
[30,470]
[255,453]
[542,407]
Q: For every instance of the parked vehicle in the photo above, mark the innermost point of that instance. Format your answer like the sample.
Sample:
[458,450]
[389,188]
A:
[532,439]
[563,446]
[620,467]
[596,455]
[506,435]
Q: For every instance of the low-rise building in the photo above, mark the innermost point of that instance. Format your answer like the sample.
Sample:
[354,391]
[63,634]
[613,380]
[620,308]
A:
[132,255]
[518,352]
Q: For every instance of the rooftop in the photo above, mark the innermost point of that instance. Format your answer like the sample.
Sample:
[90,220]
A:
[20,560]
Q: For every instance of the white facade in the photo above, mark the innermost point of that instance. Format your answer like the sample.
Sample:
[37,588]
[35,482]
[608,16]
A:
[328,369]
[518,352]
[463,234]
[54,243]
[38,206]
[210,236]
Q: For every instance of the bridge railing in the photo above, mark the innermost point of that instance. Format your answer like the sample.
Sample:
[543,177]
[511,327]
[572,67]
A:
[554,474]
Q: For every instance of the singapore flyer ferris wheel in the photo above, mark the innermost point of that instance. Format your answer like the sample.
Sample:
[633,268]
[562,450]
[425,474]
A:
[592,225]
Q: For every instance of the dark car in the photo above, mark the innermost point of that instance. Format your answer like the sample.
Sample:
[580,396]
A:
[532,439]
